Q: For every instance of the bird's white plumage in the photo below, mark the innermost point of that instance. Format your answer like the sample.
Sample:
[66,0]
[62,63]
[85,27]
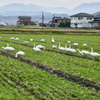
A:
[67,49]
[26,42]
[31,39]
[8,48]
[69,42]
[75,44]
[19,53]
[16,38]
[53,40]
[35,48]
[40,47]
[61,48]
[54,46]
[42,40]
[71,50]
[94,54]
[12,38]
[84,45]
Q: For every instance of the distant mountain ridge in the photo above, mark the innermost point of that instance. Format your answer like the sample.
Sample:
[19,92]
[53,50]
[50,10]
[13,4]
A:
[85,7]
[9,13]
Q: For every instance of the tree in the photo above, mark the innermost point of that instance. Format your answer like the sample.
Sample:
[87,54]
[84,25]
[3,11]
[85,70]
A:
[66,24]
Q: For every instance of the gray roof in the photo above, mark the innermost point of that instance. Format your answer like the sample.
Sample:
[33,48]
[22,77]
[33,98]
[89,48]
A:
[82,15]
[26,17]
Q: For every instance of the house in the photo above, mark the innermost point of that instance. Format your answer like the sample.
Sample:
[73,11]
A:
[96,22]
[81,20]
[25,20]
[56,21]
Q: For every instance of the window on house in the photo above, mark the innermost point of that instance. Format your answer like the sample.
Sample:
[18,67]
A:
[56,21]
[89,18]
[22,19]
[79,18]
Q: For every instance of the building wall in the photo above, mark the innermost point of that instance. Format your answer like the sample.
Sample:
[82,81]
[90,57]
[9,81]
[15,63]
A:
[80,22]
[25,21]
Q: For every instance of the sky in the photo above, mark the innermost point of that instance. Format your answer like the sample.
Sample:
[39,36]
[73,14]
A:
[70,4]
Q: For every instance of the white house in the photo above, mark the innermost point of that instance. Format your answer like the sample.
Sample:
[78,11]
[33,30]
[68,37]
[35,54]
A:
[81,20]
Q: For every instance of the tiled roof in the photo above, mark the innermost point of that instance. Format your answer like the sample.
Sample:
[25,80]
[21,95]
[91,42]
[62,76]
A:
[26,17]
[82,15]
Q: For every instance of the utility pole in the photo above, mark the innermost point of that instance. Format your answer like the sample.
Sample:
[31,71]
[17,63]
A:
[42,19]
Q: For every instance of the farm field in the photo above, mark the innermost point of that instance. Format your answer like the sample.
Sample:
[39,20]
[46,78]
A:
[49,74]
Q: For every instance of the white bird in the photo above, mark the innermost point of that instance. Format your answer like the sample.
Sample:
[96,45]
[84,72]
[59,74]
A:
[53,40]
[84,52]
[16,38]
[54,46]
[84,45]
[35,48]
[40,47]
[42,40]
[8,48]
[71,50]
[67,49]
[61,48]
[19,53]
[26,42]
[94,54]
[69,42]
[31,39]
[80,51]
[12,38]
[75,44]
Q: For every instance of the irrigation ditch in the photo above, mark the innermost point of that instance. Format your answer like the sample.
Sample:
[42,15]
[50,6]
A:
[76,79]
[69,54]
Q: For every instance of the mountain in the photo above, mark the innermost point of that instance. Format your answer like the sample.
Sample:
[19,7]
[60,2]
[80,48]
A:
[21,9]
[87,8]
[10,13]
[32,8]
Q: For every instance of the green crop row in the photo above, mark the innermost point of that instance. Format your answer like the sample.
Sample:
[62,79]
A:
[18,76]
[85,68]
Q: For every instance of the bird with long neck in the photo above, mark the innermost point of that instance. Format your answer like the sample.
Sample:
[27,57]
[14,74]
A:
[8,48]
[61,48]
[35,48]
[84,52]
[66,49]
[94,54]
[71,50]
[19,53]
[53,40]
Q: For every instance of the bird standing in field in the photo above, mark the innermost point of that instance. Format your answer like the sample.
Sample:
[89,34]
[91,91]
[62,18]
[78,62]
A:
[94,54]
[76,44]
[84,52]
[35,48]
[19,53]
[8,48]
[71,50]
[54,46]
[53,40]
[61,48]
[40,47]
[84,45]
[42,40]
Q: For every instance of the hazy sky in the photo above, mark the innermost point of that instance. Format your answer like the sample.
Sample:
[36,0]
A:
[50,3]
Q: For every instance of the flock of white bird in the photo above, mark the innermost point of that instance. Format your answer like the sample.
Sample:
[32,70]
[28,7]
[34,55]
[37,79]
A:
[39,47]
